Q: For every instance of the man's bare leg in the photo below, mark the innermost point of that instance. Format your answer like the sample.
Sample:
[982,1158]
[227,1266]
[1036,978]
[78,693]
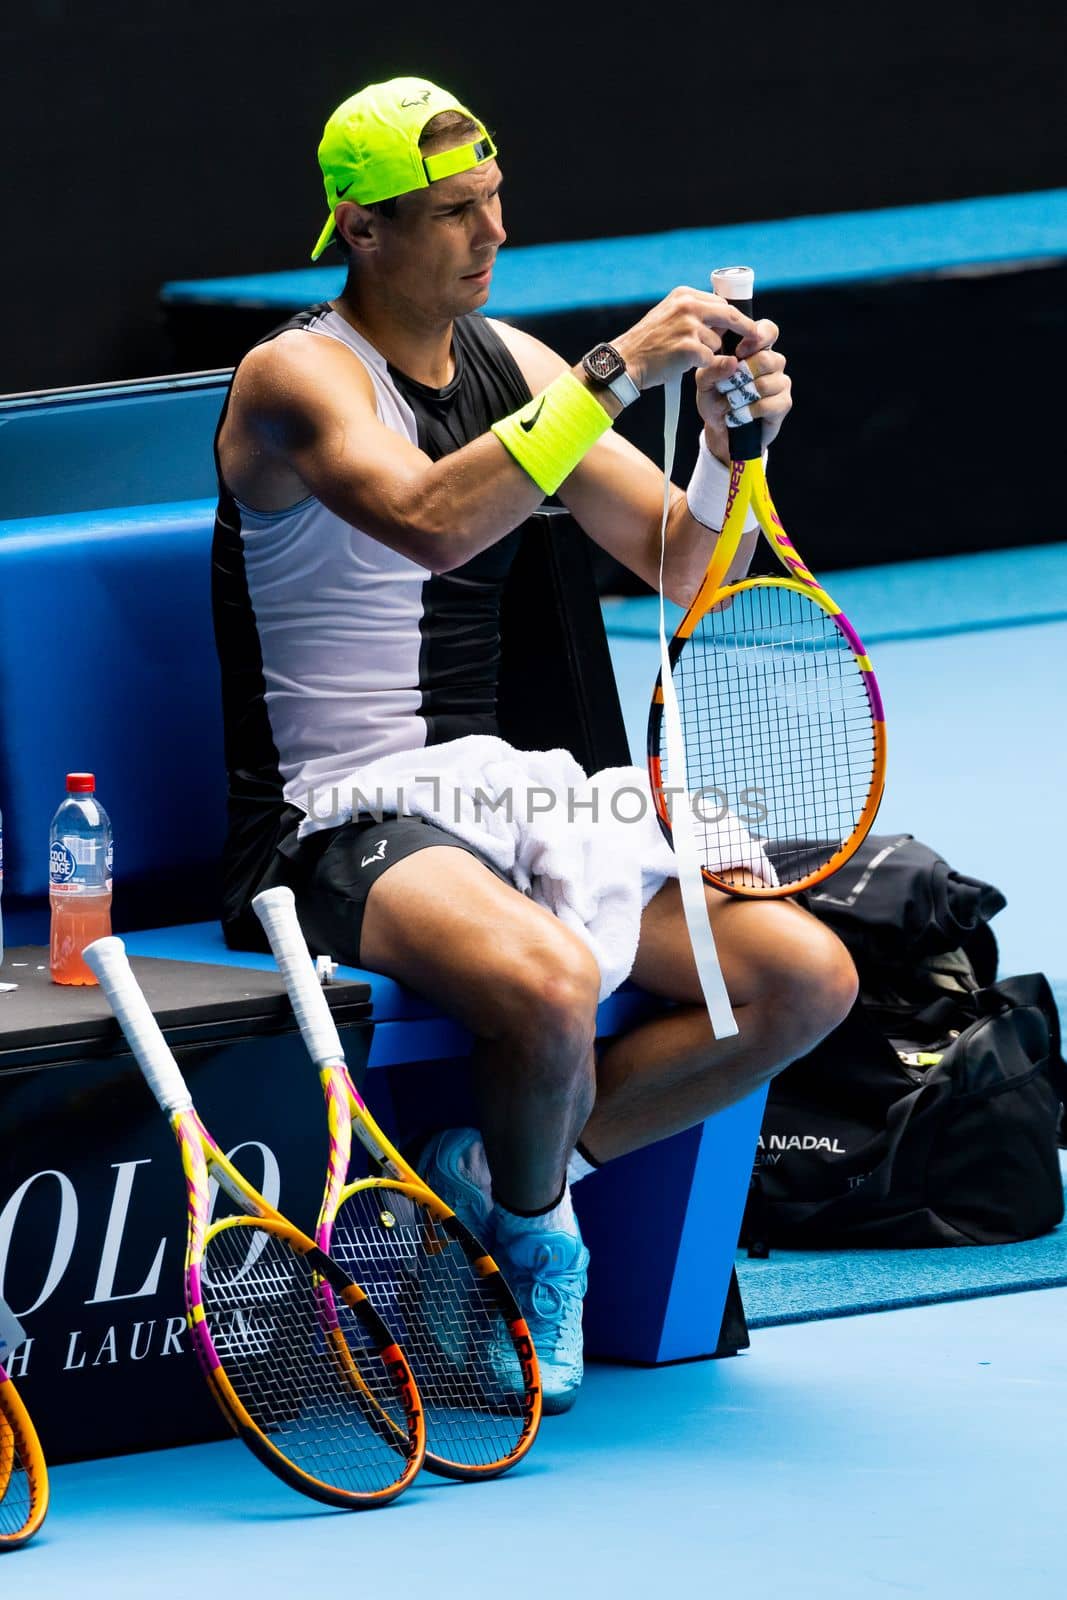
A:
[790,981]
[524,985]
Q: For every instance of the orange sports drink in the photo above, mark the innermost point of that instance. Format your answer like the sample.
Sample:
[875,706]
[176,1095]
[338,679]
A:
[77,919]
[79,879]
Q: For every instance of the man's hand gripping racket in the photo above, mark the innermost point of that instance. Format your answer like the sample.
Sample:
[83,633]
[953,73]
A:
[305,1371]
[782,719]
[433,1282]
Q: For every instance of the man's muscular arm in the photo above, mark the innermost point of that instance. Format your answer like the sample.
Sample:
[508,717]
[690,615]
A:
[306,407]
[309,404]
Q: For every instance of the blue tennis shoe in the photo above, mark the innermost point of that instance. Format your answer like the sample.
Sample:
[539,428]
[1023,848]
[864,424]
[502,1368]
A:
[548,1275]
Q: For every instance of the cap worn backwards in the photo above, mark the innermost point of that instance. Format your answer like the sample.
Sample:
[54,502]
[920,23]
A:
[370,146]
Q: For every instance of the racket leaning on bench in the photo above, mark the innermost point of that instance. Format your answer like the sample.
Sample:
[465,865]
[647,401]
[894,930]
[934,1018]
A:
[304,1369]
[781,714]
[429,1277]
[23,1474]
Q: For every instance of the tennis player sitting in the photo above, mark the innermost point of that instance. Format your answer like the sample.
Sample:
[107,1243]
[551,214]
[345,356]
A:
[377,460]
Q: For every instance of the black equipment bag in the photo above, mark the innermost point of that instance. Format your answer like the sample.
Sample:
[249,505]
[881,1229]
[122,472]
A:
[929,1117]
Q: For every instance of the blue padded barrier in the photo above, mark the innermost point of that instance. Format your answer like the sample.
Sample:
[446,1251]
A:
[107,664]
[116,445]
[845,247]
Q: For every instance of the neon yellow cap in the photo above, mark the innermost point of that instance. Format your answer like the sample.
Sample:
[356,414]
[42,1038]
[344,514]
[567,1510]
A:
[370,146]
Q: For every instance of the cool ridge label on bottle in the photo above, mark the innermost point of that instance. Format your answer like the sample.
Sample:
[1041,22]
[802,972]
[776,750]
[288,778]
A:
[61,864]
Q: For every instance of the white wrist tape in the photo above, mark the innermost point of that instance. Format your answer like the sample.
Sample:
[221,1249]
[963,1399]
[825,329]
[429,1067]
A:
[708,489]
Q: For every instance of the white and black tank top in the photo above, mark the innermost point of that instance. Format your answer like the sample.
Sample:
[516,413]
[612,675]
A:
[334,649]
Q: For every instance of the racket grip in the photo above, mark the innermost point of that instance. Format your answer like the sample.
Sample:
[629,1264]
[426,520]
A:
[736,284]
[276,910]
[108,961]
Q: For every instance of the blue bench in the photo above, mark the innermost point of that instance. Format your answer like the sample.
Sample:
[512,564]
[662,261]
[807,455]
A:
[107,664]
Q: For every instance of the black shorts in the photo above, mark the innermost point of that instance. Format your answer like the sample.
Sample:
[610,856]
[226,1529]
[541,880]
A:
[331,874]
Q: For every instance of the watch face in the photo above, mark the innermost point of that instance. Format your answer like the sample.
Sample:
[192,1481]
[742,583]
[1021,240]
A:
[604,363]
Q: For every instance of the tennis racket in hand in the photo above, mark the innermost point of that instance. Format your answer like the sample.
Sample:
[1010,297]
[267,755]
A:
[305,1371]
[23,1474]
[781,715]
[429,1277]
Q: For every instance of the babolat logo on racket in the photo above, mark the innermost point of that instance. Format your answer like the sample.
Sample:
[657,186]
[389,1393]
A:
[735,483]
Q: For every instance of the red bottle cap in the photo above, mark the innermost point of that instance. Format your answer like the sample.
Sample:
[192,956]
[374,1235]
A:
[81,783]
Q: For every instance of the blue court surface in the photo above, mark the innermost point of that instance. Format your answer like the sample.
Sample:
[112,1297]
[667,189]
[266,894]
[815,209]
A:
[912,1452]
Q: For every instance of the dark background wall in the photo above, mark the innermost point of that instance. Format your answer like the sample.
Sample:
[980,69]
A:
[145,144]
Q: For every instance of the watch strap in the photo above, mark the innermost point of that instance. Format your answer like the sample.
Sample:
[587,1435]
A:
[624,389]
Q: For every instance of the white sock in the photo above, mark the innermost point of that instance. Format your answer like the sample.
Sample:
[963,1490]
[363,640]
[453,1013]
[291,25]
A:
[578,1167]
[509,1224]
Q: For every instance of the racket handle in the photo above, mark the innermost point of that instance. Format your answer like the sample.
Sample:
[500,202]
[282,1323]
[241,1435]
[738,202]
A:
[736,285]
[108,961]
[276,910]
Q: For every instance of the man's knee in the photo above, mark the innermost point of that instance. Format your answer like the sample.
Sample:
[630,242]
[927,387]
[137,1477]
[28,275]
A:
[813,991]
[547,1002]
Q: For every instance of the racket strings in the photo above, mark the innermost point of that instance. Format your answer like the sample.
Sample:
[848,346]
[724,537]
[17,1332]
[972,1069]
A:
[16,1482]
[778,732]
[330,1407]
[447,1319]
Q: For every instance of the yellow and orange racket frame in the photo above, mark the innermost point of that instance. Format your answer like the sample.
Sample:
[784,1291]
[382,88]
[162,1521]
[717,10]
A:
[201,1159]
[748,488]
[23,1473]
[400,1424]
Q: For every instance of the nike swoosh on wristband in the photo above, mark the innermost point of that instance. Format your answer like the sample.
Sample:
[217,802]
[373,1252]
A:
[526,426]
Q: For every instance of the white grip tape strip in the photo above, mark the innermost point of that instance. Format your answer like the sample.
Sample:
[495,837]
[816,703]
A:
[740,392]
[690,878]
[107,960]
[740,384]
[276,910]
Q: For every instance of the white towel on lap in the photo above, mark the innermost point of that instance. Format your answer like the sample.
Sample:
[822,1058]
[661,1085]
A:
[590,849]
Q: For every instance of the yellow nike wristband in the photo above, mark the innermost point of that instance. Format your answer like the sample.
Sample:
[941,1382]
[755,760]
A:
[551,433]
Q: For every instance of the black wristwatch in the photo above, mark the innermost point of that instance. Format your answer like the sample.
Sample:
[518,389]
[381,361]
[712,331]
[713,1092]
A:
[607,369]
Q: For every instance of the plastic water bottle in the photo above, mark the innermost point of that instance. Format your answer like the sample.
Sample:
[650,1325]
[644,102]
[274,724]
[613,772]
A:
[1,888]
[79,878]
